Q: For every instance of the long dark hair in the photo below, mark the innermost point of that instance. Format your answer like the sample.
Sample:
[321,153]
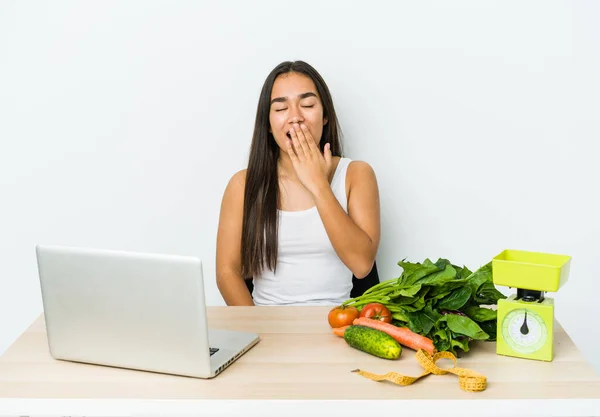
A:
[261,196]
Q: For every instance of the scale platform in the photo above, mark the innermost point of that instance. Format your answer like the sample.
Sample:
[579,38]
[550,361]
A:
[531,270]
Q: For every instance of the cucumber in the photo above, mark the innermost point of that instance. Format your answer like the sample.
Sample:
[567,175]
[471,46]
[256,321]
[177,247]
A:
[372,341]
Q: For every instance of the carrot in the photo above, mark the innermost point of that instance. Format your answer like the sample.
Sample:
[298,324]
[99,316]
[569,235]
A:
[339,331]
[402,335]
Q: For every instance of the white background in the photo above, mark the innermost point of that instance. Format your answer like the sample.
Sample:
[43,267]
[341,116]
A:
[122,122]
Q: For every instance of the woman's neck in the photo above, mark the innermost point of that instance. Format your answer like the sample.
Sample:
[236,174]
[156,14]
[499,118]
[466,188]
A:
[285,167]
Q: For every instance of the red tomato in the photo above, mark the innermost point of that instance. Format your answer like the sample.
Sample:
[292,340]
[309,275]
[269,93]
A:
[376,311]
[342,316]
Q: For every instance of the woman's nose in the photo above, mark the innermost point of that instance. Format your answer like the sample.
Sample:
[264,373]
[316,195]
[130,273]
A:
[296,119]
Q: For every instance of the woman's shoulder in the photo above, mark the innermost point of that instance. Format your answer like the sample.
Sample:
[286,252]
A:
[362,190]
[237,184]
[239,178]
[357,172]
[359,169]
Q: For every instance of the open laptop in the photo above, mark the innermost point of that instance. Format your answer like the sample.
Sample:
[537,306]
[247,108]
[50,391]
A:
[132,310]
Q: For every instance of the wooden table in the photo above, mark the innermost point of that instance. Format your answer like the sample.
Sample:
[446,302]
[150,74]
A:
[299,368]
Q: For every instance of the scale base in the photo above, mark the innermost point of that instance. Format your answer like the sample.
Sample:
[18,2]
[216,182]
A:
[526,328]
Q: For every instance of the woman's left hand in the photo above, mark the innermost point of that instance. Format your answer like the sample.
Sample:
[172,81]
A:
[312,167]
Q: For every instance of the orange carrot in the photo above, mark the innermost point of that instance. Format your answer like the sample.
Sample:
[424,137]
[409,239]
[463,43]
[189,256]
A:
[402,335]
[339,331]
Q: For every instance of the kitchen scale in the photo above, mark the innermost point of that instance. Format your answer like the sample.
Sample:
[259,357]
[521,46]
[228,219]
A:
[526,319]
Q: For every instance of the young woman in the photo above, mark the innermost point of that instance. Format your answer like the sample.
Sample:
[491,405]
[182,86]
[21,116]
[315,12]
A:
[301,219]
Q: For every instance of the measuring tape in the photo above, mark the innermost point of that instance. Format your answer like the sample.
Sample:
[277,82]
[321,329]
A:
[468,380]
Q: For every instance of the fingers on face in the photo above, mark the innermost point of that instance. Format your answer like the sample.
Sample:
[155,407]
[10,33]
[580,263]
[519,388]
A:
[294,144]
[291,153]
[310,141]
[300,133]
[297,140]
[305,139]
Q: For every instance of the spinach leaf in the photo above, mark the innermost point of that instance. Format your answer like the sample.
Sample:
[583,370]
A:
[415,275]
[442,339]
[462,273]
[407,291]
[399,319]
[443,290]
[488,294]
[408,267]
[480,314]
[490,327]
[480,277]
[439,277]
[442,345]
[416,305]
[442,263]
[423,321]
[465,326]
[456,299]
[460,342]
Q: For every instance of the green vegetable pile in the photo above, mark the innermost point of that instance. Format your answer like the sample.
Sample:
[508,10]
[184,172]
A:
[441,301]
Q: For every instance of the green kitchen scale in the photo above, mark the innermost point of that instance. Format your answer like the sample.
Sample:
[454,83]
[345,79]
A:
[526,319]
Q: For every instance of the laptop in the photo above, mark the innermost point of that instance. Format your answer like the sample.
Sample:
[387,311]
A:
[132,310]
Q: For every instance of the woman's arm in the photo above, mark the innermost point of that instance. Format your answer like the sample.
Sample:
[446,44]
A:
[354,236]
[229,239]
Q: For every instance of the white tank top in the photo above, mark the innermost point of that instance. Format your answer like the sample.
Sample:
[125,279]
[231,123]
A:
[309,272]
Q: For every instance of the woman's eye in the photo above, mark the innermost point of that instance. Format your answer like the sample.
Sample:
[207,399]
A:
[306,107]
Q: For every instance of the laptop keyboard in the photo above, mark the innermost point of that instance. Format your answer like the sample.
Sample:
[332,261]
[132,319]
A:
[213,351]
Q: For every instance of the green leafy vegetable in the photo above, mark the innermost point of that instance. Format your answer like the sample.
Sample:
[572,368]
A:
[441,301]
[465,326]
[423,321]
[456,299]
[481,314]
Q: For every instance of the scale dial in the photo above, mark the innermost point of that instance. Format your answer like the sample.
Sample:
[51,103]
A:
[524,330]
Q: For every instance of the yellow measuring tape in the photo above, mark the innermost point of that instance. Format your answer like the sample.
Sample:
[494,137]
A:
[468,380]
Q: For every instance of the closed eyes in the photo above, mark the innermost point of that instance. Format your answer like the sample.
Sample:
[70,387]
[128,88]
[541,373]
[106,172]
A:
[307,107]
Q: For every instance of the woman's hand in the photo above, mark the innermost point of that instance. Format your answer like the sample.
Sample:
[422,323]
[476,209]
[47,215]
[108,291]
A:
[312,168]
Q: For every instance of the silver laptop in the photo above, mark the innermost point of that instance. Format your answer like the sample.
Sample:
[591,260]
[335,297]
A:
[132,310]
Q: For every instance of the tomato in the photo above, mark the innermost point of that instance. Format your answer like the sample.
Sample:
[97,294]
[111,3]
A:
[342,316]
[376,311]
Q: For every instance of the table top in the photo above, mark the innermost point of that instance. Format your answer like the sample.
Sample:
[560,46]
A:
[297,358]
